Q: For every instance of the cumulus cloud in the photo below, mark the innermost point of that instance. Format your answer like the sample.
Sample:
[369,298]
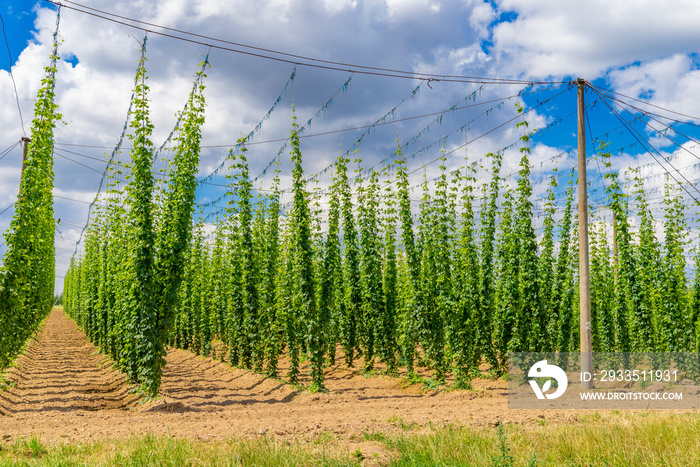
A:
[555,38]
[668,82]
[470,60]
[337,6]
[399,9]
[481,17]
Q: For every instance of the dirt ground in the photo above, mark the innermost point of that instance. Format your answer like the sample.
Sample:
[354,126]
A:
[63,389]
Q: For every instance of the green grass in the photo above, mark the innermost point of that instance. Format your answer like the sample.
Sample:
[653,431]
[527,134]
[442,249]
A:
[622,439]
[614,439]
[149,450]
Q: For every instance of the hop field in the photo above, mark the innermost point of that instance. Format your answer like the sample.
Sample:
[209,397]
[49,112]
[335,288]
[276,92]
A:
[365,322]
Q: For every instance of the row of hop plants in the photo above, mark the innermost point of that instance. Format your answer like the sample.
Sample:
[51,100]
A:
[451,290]
[27,272]
[445,293]
[641,297]
[123,290]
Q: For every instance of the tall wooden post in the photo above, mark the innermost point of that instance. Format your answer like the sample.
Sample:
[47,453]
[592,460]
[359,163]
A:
[583,262]
[615,260]
[25,148]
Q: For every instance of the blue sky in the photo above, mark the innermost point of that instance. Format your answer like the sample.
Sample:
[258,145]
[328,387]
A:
[643,49]
[19,24]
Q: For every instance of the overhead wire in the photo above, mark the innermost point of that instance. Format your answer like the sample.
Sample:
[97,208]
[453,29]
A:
[277,157]
[600,89]
[444,137]
[660,132]
[214,202]
[8,150]
[540,104]
[6,209]
[383,161]
[76,162]
[601,176]
[72,199]
[639,140]
[437,120]
[294,59]
[644,111]
[158,173]
[342,130]
[593,146]
[204,180]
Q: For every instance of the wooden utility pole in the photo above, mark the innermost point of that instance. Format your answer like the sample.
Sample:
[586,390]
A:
[583,261]
[615,260]
[25,148]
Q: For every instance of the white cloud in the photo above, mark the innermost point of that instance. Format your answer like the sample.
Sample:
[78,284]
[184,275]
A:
[469,60]
[400,9]
[669,82]
[560,38]
[482,15]
[172,12]
[338,6]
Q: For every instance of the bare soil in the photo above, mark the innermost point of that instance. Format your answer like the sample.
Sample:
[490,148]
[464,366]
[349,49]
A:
[63,389]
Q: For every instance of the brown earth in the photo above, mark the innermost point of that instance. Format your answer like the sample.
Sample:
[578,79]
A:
[63,389]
